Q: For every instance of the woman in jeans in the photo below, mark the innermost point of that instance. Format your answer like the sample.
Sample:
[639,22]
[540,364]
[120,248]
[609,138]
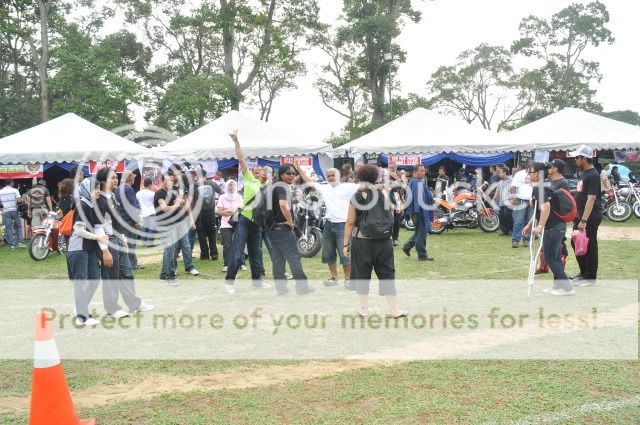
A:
[228,204]
[82,257]
[369,254]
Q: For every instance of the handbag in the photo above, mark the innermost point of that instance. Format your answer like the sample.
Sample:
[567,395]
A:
[233,220]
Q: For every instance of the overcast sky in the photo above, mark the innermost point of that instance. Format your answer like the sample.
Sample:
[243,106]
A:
[450,26]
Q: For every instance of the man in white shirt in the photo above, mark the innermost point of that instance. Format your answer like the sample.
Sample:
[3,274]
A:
[336,197]
[521,191]
[147,210]
[9,197]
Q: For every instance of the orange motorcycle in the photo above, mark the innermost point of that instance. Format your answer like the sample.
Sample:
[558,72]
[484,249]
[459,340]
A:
[464,210]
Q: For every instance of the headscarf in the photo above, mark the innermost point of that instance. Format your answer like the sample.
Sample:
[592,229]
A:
[84,192]
[228,195]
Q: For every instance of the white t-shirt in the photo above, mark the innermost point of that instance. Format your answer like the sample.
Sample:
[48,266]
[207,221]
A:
[145,199]
[522,181]
[336,199]
[9,198]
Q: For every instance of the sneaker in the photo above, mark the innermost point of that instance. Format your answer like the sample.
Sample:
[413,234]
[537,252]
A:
[87,322]
[230,289]
[427,258]
[262,285]
[406,251]
[214,257]
[305,291]
[193,272]
[12,248]
[584,283]
[349,286]
[288,276]
[525,244]
[224,269]
[515,245]
[561,292]
[119,314]
[330,282]
[243,268]
[143,307]
[395,242]
[173,282]
[548,290]
[21,245]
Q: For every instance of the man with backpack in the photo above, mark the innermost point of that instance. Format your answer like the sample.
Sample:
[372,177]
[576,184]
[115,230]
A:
[421,209]
[206,217]
[551,219]
[246,231]
[280,233]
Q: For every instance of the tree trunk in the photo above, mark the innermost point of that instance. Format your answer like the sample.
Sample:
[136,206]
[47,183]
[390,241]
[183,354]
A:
[45,7]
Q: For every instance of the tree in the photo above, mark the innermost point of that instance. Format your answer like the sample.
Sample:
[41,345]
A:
[371,25]
[41,58]
[89,81]
[341,85]
[482,86]
[565,78]
[630,117]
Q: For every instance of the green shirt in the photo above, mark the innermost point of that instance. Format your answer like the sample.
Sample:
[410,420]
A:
[251,188]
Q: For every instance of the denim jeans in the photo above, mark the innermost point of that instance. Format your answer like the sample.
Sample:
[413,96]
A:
[168,238]
[419,237]
[285,250]
[183,243]
[552,248]
[246,233]
[332,239]
[9,218]
[521,214]
[84,271]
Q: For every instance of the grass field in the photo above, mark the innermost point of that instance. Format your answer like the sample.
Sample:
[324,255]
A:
[300,392]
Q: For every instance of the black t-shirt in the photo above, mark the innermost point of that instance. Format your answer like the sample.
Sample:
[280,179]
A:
[589,184]
[170,198]
[280,194]
[110,206]
[559,184]
[540,197]
[87,215]
[207,191]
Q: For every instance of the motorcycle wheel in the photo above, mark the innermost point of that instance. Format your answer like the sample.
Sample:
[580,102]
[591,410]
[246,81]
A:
[636,209]
[408,224]
[620,212]
[437,228]
[39,247]
[312,245]
[489,222]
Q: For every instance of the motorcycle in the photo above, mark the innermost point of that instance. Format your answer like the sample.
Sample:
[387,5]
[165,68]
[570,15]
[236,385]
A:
[631,193]
[407,223]
[309,219]
[616,208]
[46,238]
[466,209]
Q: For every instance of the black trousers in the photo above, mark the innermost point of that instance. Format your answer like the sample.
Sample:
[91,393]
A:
[206,230]
[368,255]
[506,220]
[588,263]
[397,219]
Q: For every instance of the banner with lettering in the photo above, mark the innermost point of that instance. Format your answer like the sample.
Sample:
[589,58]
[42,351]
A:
[95,166]
[406,160]
[21,171]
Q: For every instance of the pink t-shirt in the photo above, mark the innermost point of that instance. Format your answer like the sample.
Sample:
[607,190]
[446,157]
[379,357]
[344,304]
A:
[224,203]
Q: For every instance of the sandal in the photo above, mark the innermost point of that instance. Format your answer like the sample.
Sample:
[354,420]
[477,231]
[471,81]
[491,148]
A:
[363,312]
[401,313]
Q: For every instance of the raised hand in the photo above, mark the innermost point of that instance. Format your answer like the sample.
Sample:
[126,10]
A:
[234,136]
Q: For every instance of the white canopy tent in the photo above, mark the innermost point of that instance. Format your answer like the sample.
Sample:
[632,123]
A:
[257,138]
[425,131]
[570,128]
[67,138]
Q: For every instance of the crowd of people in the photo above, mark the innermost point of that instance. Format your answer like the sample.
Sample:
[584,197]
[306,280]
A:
[365,205]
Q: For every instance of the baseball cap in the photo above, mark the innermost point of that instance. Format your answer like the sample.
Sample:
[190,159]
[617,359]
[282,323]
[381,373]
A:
[538,166]
[583,150]
[558,163]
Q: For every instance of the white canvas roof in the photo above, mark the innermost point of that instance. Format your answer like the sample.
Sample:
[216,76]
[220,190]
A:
[257,138]
[570,128]
[67,138]
[426,131]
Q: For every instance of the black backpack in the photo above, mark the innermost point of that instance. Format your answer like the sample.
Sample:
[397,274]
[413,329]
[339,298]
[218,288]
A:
[377,221]
[262,215]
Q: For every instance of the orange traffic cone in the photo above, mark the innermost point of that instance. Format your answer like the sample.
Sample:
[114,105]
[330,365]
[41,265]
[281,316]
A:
[51,402]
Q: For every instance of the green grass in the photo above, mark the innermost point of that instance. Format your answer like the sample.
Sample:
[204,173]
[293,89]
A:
[438,392]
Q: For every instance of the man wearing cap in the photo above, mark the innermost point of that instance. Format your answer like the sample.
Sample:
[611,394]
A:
[589,205]
[554,230]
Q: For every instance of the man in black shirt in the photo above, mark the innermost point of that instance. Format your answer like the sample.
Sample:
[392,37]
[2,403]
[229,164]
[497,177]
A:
[589,205]
[168,203]
[283,237]
[554,230]
[206,217]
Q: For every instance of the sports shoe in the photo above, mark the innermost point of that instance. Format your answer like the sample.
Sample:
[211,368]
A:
[407,252]
[119,314]
[243,268]
[548,290]
[173,282]
[143,307]
[395,242]
[330,282]
[515,245]
[87,322]
[349,286]
[584,283]
[12,248]
[193,272]
[230,289]
[525,244]
[289,276]
[561,292]
[262,285]
[21,245]
[224,269]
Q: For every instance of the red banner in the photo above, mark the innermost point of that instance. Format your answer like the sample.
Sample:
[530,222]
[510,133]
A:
[94,166]
[21,171]
[405,160]
[300,160]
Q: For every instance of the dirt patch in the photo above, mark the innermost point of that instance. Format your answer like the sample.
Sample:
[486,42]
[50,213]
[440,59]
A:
[609,233]
[155,386]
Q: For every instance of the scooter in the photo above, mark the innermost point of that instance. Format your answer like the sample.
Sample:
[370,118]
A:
[46,238]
